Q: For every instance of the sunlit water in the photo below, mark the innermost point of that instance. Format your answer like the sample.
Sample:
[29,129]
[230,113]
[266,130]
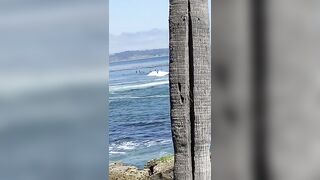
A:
[139,122]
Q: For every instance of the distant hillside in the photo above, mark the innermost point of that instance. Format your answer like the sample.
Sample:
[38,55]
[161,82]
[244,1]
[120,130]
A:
[134,55]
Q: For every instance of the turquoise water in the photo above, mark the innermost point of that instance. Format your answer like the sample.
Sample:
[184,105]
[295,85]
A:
[139,121]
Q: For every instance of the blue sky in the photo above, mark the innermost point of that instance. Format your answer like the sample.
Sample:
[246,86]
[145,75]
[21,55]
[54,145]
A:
[138,15]
[138,24]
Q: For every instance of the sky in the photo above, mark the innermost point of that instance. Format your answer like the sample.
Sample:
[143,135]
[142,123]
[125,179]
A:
[138,24]
[132,16]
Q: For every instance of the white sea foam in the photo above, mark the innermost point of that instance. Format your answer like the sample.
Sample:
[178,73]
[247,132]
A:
[132,145]
[158,73]
[150,143]
[136,86]
[116,152]
[137,97]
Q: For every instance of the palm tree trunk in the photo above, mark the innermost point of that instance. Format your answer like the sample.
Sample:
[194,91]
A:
[180,88]
[190,88]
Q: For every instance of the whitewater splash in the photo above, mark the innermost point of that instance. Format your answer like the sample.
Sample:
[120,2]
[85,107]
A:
[158,73]
[123,147]
[137,97]
[128,87]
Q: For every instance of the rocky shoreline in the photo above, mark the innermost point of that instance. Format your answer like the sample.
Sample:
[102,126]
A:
[156,169]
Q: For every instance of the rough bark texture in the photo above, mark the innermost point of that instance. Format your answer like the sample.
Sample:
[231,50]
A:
[190,88]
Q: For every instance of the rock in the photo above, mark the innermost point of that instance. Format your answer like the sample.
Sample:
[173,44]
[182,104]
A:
[157,169]
[119,171]
[161,168]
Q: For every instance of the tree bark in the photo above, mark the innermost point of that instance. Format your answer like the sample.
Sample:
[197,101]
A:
[190,88]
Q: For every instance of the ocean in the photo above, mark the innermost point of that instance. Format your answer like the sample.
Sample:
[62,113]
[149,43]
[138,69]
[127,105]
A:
[139,119]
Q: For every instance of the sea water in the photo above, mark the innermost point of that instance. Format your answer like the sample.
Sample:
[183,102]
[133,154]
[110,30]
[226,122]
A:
[139,121]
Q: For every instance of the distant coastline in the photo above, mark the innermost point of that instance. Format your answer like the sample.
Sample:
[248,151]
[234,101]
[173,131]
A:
[138,55]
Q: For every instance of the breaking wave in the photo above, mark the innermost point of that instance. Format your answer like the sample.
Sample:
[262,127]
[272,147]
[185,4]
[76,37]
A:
[120,148]
[158,73]
[136,86]
[137,97]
